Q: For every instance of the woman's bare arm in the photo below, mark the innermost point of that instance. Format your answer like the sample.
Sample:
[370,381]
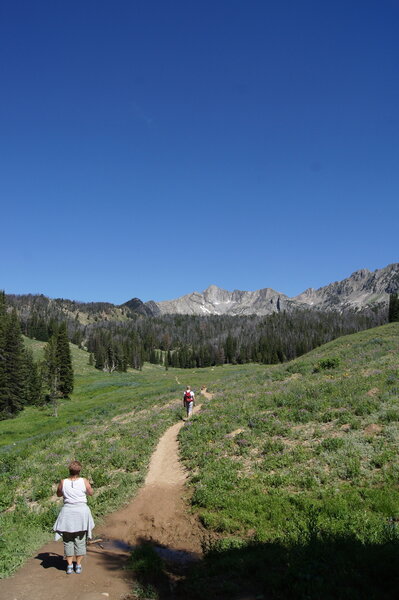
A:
[59,488]
[89,489]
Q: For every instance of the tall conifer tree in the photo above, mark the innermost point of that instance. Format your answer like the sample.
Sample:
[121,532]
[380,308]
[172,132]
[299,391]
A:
[58,366]
[393,310]
[33,380]
[64,360]
[2,348]
[12,396]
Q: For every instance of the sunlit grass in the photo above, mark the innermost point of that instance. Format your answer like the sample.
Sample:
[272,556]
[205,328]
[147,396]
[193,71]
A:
[322,430]
[295,470]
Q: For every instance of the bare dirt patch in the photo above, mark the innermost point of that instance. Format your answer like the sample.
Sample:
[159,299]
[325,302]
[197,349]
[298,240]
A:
[373,392]
[234,433]
[373,429]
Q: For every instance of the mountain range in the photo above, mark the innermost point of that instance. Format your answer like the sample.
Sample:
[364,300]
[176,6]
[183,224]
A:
[363,289]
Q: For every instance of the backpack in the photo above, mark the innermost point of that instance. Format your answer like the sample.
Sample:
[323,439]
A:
[188,397]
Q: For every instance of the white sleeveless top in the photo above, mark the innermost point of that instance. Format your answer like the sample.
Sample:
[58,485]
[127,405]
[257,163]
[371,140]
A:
[74,491]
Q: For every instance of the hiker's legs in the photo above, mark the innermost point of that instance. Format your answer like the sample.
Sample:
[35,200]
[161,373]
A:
[74,545]
[189,409]
[80,546]
[69,551]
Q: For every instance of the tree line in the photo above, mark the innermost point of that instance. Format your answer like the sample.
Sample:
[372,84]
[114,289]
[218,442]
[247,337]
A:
[393,308]
[24,381]
[188,341]
[182,341]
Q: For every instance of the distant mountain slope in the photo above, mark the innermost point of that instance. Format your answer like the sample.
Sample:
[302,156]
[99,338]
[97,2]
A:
[85,313]
[362,289]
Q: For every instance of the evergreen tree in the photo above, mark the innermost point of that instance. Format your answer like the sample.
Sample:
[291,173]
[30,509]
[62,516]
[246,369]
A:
[12,396]
[33,380]
[3,377]
[393,310]
[52,372]
[100,356]
[64,360]
[58,366]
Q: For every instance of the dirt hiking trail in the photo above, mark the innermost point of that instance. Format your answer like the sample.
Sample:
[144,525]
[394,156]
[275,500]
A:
[159,513]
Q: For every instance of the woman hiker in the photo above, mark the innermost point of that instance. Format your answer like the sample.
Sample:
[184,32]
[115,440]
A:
[75,522]
[188,401]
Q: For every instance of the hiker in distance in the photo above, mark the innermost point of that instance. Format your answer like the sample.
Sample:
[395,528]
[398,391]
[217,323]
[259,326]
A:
[75,522]
[188,401]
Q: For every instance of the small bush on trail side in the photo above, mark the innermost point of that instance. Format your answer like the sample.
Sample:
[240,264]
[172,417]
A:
[150,572]
[145,562]
[327,364]
[332,444]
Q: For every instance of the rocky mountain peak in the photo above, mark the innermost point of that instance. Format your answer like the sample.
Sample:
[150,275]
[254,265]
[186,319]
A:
[216,294]
[213,290]
[360,274]
[308,292]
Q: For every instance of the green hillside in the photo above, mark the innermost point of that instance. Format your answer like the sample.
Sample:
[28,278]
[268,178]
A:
[294,467]
[302,454]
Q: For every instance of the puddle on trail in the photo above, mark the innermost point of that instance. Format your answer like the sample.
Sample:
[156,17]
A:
[167,554]
[113,545]
[176,556]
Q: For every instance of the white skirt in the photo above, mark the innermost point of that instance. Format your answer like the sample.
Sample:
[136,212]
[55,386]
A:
[72,518]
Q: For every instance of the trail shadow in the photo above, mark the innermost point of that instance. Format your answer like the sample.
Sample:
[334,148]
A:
[172,556]
[157,569]
[113,556]
[337,568]
[51,560]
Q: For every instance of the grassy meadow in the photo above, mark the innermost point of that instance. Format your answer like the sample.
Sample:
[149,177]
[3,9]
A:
[296,468]
[293,467]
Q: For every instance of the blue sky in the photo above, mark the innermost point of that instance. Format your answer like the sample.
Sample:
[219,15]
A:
[151,148]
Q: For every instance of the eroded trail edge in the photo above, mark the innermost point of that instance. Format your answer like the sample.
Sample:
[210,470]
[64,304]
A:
[159,513]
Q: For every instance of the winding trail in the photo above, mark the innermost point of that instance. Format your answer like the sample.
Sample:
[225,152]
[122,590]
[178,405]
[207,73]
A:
[159,513]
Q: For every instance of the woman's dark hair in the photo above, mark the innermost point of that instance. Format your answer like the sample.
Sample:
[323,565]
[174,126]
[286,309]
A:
[74,467]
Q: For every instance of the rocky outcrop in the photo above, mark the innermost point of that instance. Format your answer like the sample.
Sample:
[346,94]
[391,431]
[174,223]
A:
[217,301]
[138,306]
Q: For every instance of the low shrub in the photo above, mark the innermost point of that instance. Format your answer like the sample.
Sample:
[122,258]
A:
[332,444]
[329,363]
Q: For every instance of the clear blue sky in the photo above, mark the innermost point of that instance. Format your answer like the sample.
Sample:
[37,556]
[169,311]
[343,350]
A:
[151,148]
